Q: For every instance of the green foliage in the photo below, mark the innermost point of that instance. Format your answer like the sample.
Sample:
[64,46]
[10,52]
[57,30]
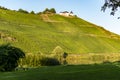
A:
[52,10]
[49,11]
[9,56]
[60,55]
[30,60]
[23,11]
[58,51]
[113,4]
[32,12]
[48,61]
[36,60]
[46,11]
[39,13]
[3,8]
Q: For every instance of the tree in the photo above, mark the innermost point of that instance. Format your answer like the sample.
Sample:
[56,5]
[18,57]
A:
[46,11]
[39,13]
[32,12]
[3,8]
[23,11]
[9,57]
[49,11]
[113,4]
[52,10]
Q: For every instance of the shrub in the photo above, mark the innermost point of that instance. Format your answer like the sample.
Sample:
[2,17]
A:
[49,11]
[52,10]
[47,61]
[30,60]
[60,55]
[3,8]
[9,56]
[32,12]
[23,11]
[107,62]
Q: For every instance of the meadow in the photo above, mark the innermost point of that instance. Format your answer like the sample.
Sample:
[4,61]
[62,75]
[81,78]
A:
[68,72]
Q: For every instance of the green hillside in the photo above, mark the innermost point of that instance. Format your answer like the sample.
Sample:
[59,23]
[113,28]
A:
[42,33]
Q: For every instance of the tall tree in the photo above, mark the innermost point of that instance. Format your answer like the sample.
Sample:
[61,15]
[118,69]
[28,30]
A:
[112,4]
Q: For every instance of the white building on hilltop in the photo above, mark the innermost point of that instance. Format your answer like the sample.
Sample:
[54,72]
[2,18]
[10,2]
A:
[66,13]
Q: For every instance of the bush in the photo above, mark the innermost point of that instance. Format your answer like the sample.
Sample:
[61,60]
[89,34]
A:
[49,11]
[107,62]
[3,8]
[9,57]
[52,10]
[23,11]
[32,12]
[46,61]
[60,55]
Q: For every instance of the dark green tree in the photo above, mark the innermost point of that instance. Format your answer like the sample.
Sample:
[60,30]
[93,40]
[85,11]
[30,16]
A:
[112,4]
[3,8]
[39,13]
[52,10]
[46,11]
[9,56]
[32,12]
[23,11]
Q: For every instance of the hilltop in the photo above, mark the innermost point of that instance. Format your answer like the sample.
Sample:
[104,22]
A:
[42,33]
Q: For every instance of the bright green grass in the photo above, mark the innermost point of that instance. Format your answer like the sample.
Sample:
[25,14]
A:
[35,34]
[78,72]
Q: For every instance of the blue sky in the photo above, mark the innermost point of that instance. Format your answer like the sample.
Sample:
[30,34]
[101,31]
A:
[89,10]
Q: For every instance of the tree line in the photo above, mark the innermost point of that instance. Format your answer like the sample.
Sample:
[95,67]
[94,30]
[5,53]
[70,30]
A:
[46,11]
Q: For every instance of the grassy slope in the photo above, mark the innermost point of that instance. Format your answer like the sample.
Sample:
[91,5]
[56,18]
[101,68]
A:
[82,72]
[43,33]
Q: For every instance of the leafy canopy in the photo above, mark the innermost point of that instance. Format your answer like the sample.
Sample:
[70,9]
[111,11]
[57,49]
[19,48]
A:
[9,56]
[112,4]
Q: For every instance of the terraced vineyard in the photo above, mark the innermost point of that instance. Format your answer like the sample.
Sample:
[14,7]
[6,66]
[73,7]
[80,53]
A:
[42,33]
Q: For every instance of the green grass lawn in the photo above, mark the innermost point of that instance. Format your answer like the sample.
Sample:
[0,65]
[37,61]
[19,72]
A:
[70,72]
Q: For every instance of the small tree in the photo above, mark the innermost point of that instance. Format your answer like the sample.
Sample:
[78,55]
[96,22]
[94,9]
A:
[32,12]
[39,13]
[23,11]
[46,11]
[9,57]
[3,8]
[52,10]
